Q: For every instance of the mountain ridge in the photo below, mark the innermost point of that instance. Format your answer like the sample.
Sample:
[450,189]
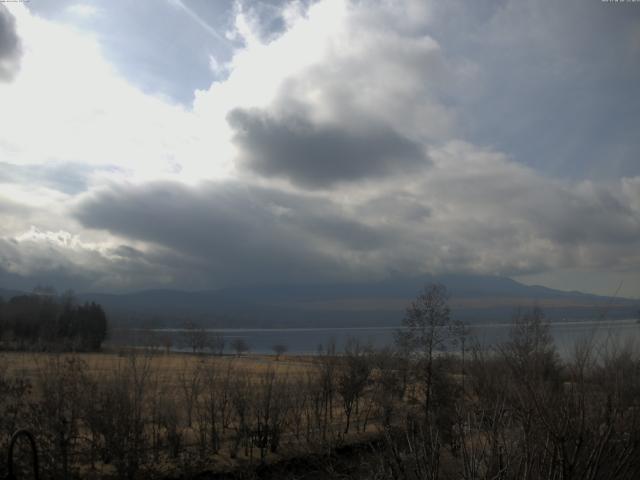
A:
[472,298]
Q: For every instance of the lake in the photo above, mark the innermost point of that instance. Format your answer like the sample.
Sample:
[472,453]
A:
[307,340]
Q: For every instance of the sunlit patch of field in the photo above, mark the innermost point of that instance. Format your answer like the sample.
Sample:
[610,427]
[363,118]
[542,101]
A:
[31,364]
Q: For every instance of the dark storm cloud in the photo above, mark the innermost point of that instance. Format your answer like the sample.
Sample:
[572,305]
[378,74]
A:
[267,16]
[234,232]
[10,46]
[27,262]
[59,278]
[551,83]
[595,217]
[125,251]
[516,220]
[231,232]
[509,221]
[319,156]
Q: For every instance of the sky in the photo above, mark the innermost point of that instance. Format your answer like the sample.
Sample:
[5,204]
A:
[197,144]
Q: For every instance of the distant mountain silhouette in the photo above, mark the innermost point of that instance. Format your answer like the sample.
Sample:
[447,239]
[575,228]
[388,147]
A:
[473,298]
[6,294]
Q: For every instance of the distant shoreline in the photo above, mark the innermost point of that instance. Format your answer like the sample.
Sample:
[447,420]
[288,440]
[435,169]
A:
[626,321]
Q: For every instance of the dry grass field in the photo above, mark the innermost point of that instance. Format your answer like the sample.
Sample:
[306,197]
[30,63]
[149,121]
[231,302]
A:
[31,364]
[134,413]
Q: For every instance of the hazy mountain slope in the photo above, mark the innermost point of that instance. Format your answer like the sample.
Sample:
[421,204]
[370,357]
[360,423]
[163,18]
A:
[473,298]
[482,298]
[6,294]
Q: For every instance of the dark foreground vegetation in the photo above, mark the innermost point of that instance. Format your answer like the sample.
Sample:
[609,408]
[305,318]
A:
[43,321]
[435,407]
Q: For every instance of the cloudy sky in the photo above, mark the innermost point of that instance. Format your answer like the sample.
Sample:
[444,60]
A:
[195,144]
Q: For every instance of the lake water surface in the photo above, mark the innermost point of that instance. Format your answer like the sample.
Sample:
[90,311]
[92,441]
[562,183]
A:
[307,340]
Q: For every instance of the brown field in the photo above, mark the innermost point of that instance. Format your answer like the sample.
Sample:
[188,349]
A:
[30,364]
[219,412]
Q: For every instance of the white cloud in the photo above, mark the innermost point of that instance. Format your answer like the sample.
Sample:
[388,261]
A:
[68,104]
[84,10]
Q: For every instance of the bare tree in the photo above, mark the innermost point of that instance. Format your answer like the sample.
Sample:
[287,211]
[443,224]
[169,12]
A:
[241,403]
[530,349]
[194,336]
[353,376]
[117,414]
[269,412]
[213,406]
[326,381]
[279,349]
[388,383]
[14,403]
[427,330]
[215,343]
[167,342]
[58,416]
[190,381]
[239,345]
